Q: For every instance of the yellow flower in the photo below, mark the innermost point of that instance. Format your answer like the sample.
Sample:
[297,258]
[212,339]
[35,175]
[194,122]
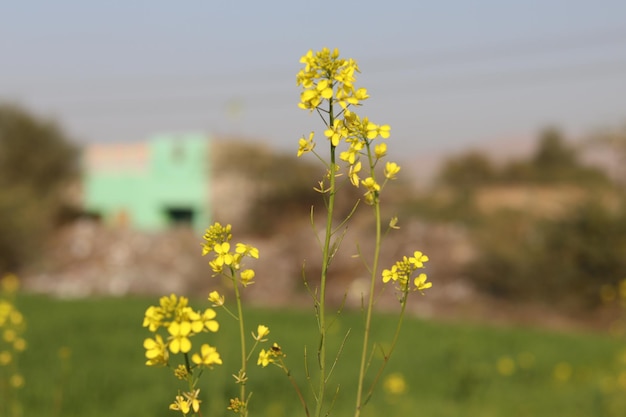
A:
[192,398]
[16,381]
[505,366]
[370,198]
[261,332]
[249,250]
[224,257]
[9,283]
[345,75]
[357,96]
[325,89]
[384,131]
[5,357]
[374,130]
[246,277]
[156,351]
[380,150]
[562,372]
[390,274]
[200,322]
[353,174]
[181,404]
[395,384]
[170,305]
[336,132]
[208,356]
[323,73]
[265,358]
[306,145]
[371,184]
[9,335]
[19,345]
[421,284]
[216,299]
[350,155]
[179,340]
[391,170]
[418,259]
[310,99]
[153,318]
[308,60]
[215,267]
[401,271]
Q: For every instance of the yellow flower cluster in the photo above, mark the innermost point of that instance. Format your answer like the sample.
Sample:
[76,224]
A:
[181,323]
[327,78]
[173,323]
[401,273]
[12,328]
[217,240]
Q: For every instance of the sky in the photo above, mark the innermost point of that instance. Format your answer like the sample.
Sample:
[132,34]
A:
[444,74]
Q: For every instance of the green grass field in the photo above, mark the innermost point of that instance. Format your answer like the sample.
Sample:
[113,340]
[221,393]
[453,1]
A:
[85,358]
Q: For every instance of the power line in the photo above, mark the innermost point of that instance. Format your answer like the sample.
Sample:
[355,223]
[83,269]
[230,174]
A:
[483,53]
[412,60]
[394,88]
[273,91]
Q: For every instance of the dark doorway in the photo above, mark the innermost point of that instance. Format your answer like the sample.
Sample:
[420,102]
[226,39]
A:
[178,216]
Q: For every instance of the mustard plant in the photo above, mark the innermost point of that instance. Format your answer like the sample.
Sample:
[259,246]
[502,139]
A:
[12,344]
[356,150]
[328,88]
[174,324]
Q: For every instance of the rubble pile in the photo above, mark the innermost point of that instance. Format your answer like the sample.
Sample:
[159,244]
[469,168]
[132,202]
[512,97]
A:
[88,259]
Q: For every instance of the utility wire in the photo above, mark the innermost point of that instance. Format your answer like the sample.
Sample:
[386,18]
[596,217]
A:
[273,92]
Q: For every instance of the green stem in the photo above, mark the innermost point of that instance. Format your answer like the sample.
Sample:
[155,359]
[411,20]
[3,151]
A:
[370,302]
[296,387]
[321,301]
[391,349]
[242,383]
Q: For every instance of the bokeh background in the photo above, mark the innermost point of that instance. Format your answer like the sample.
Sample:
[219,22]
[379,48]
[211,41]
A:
[125,129]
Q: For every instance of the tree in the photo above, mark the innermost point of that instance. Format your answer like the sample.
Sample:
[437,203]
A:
[553,155]
[468,170]
[554,162]
[37,163]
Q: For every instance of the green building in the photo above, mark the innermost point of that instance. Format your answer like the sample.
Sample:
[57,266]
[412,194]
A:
[151,185]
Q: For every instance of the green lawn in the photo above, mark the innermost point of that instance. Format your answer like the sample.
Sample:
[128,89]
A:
[449,369]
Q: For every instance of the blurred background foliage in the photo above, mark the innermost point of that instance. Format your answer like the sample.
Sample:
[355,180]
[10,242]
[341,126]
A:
[283,190]
[547,228]
[544,228]
[553,162]
[38,164]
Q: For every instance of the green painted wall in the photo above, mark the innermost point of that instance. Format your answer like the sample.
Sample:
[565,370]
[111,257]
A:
[173,181]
